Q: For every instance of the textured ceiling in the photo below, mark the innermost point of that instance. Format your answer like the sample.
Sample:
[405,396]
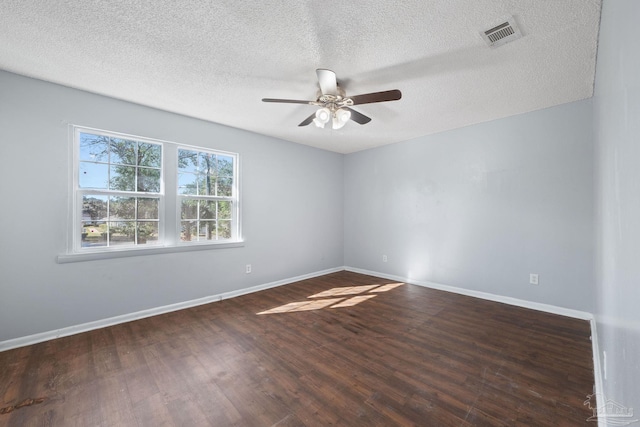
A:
[215,60]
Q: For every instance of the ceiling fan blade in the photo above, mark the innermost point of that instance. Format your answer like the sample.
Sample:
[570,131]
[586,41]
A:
[308,120]
[357,117]
[287,101]
[327,81]
[368,98]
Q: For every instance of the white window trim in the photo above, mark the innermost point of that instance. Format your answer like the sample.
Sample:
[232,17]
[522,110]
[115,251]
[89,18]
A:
[169,219]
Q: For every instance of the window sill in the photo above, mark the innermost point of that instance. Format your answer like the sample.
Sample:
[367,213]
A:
[125,253]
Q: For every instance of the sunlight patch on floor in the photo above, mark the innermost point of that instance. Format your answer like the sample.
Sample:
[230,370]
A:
[348,290]
[387,287]
[318,304]
[302,306]
[353,301]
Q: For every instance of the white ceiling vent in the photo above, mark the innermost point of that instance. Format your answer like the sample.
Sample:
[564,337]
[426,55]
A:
[502,33]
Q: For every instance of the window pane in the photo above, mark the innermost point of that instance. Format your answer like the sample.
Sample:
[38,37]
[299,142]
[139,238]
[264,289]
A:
[149,180]
[122,233]
[94,234]
[149,155]
[225,166]
[224,229]
[94,148]
[123,178]
[123,151]
[189,209]
[207,209]
[187,183]
[122,208]
[187,161]
[94,208]
[147,232]
[206,174]
[93,175]
[224,210]
[225,187]
[189,231]
[207,164]
[147,208]
[207,230]
[207,185]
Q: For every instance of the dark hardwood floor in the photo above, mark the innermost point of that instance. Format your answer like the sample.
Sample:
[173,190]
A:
[372,355]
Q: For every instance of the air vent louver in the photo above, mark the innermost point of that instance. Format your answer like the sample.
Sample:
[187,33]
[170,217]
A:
[502,33]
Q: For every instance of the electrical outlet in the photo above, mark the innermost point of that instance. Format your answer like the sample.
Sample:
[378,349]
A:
[533,279]
[248,269]
[384,258]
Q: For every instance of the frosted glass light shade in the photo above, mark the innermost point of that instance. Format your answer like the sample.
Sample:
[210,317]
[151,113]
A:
[340,118]
[322,117]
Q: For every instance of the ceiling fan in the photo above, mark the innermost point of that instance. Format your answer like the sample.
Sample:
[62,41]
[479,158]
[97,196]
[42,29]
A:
[334,105]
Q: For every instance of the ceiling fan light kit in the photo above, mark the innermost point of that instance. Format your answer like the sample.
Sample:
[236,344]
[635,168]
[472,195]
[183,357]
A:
[334,105]
[338,118]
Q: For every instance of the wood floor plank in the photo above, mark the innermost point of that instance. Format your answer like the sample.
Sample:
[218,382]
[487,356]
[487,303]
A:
[341,349]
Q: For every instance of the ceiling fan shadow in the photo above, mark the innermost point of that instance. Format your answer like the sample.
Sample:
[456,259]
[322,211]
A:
[451,61]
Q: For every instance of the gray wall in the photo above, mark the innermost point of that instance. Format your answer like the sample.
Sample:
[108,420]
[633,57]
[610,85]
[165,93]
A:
[482,207]
[292,213]
[617,124]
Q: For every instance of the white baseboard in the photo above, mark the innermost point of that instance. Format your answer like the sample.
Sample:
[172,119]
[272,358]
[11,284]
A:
[89,326]
[482,295]
[597,371]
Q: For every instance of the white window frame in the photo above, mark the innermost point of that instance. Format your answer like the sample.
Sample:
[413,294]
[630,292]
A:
[169,207]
